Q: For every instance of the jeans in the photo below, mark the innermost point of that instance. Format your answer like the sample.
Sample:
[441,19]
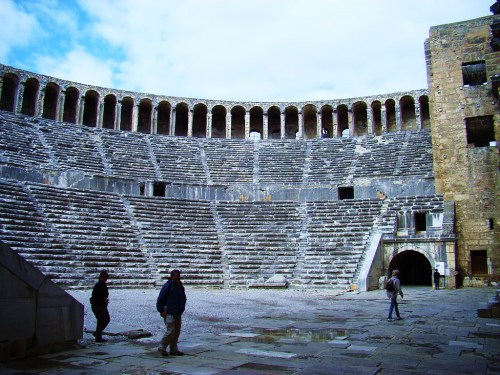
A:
[173,324]
[102,316]
[394,306]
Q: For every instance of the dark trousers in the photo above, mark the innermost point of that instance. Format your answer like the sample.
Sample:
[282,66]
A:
[102,316]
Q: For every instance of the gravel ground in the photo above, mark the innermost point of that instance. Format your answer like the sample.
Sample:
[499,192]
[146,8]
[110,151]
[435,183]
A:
[207,310]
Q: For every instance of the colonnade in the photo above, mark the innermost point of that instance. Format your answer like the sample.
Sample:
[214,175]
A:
[34,95]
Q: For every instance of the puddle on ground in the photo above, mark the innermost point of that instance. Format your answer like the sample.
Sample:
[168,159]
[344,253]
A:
[297,335]
[261,368]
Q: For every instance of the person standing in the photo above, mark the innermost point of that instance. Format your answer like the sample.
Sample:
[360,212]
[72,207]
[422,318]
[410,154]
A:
[171,303]
[393,295]
[99,302]
[437,277]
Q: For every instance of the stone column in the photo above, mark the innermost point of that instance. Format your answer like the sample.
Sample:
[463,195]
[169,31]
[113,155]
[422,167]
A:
[418,118]
[350,122]
[265,126]
[172,121]
[383,119]
[228,125]
[247,125]
[319,124]
[190,123]
[154,128]
[62,100]
[369,120]
[135,115]
[39,106]
[18,101]
[301,126]
[282,125]
[100,114]
[398,117]
[81,110]
[209,124]
[118,118]
[335,124]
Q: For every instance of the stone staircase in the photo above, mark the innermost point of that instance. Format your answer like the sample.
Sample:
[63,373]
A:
[262,240]
[26,231]
[282,162]
[96,232]
[179,234]
[229,161]
[179,159]
[338,233]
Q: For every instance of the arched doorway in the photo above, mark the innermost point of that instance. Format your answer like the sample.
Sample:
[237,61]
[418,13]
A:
[414,268]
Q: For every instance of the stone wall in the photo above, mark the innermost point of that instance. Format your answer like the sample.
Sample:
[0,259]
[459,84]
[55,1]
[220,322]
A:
[36,316]
[466,173]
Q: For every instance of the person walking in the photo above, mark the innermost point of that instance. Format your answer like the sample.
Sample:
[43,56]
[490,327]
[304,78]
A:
[437,276]
[171,303]
[99,303]
[393,288]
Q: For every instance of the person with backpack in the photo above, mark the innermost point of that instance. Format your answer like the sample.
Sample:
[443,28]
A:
[171,303]
[393,288]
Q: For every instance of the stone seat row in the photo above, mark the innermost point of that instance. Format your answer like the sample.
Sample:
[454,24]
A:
[45,143]
[229,244]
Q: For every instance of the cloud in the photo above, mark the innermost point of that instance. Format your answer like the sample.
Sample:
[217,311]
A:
[17,28]
[79,66]
[256,50]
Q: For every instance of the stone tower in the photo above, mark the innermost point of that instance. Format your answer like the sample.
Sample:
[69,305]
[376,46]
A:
[463,72]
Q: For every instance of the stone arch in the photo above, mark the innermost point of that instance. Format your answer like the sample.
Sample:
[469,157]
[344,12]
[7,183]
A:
[390,115]
[30,97]
[274,123]
[10,88]
[238,122]
[310,114]
[50,101]
[342,119]
[327,121]
[425,117]
[257,121]
[360,119]
[71,100]
[91,108]
[127,113]
[163,120]
[219,121]
[408,118]
[145,116]
[109,112]
[377,117]
[181,119]
[200,111]
[291,122]
[414,264]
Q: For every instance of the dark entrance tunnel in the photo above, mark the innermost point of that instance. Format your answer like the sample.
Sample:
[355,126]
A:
[414,268]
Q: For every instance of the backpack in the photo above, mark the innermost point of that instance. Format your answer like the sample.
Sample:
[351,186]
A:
[389,286]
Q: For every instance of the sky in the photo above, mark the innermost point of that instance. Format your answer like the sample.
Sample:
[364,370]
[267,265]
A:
[236,50]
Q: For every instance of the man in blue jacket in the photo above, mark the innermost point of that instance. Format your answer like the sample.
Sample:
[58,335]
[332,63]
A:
[170,304]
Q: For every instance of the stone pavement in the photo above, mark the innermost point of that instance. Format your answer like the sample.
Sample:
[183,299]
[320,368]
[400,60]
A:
[310,333]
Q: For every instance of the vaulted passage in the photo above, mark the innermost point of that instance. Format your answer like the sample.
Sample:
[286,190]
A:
[414,268]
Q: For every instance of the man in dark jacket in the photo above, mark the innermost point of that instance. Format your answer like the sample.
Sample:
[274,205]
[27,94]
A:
[99,302]
[170,304]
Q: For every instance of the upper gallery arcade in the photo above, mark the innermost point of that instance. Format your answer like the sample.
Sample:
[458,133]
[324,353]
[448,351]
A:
[55,99]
